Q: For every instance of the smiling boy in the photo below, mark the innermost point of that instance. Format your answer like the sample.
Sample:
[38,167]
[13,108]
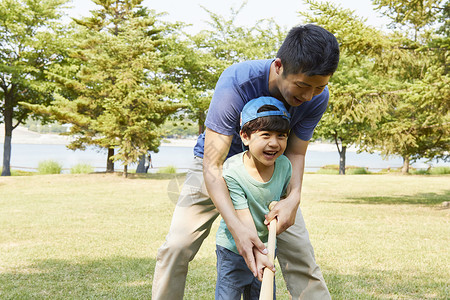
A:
[254,178]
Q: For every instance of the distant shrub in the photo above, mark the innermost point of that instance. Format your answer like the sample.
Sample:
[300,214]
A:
[168,170]
[81,169]
[21,173]
[419,172]
[49,167]
[334,170]
[329,170]
[390,170]
[439,171]
[357,171]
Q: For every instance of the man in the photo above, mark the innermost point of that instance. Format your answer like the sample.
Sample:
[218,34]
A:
[298,77]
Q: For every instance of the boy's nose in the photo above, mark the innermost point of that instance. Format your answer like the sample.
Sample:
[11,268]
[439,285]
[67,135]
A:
[273,141]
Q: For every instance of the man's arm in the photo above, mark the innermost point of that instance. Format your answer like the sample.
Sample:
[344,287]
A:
[286,210]
[216,150]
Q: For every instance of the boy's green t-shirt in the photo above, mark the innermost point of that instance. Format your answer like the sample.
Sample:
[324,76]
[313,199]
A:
[247,192]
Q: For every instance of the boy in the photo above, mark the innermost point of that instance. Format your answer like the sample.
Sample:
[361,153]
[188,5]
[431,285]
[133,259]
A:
[254,178]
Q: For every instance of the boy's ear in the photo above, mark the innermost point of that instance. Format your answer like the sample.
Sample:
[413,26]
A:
[244,137]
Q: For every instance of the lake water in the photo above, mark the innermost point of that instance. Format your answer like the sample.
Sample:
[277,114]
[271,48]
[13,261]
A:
[28,156]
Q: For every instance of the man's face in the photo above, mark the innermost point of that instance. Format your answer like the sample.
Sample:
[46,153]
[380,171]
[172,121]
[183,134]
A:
[299,88]
[294,89]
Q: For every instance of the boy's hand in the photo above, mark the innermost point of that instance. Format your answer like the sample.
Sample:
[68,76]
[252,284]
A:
[262,261]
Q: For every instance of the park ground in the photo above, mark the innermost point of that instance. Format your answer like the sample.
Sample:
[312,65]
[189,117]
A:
[95,236]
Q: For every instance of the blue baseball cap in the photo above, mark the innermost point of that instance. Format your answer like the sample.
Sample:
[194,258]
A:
[250,110]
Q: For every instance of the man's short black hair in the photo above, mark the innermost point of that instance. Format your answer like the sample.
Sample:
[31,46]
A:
[268,123]
[309,49]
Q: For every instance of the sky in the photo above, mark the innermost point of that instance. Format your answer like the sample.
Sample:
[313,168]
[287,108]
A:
[284,12]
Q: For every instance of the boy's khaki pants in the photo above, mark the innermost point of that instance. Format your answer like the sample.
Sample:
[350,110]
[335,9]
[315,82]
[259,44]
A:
[191,223]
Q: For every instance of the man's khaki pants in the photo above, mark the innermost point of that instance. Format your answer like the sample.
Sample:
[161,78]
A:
[191,223]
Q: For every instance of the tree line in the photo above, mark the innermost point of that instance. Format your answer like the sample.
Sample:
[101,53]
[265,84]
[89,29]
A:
[118,74]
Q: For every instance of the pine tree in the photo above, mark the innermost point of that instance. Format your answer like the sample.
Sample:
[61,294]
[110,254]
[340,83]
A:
[352,108]
[417,124]
[116,93]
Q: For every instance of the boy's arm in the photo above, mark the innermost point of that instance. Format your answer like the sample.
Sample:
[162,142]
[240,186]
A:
[216,150]
[262,260]
[286,210]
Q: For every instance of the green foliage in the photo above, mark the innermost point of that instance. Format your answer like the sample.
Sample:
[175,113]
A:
[417,14]
[329,170]
[349,170]
[419,172]
[114,92]
[391,90]
[180,129]
[416,123]
[201,58]
[168,170]
[357,171]
[22,173]
[29,44]
[37,126]
[439,171]
[352,107]
[431,171]
[81,169]
[49,167]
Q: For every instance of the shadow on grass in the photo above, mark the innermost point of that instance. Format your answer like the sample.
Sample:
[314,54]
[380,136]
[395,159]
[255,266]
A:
[369,283]
[131,278]
[110,278]
[418,199]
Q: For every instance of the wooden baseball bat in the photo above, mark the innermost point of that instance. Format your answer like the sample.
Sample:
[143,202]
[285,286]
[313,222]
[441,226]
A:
[266,292]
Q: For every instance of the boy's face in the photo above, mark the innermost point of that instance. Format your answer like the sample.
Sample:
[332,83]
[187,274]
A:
[296,89]
[265,146]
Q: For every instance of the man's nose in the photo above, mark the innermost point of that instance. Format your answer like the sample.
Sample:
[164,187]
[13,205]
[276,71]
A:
[307,94]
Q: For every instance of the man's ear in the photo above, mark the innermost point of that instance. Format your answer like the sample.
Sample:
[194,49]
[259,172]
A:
[244,137]
[278,66]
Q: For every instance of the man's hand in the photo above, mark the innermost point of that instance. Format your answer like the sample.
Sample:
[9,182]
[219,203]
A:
[285,211]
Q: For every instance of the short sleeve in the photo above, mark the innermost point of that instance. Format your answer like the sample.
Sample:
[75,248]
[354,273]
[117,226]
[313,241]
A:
[237,193]
[226,105]
[288,175]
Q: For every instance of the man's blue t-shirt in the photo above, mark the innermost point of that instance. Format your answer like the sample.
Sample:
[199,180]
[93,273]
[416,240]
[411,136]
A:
[243,82]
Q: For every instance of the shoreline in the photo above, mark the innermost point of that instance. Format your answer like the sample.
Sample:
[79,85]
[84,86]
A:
[22,135]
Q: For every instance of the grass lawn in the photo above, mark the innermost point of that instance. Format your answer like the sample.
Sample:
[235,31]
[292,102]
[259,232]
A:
[96,236]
